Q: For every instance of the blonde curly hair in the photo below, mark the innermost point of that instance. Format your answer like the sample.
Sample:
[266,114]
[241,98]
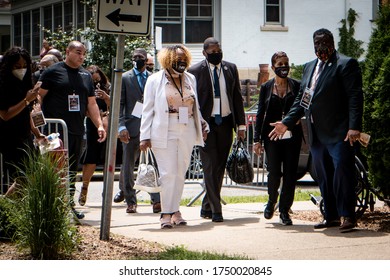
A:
[167,56]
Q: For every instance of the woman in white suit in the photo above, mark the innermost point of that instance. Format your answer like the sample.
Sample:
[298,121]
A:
[172,124]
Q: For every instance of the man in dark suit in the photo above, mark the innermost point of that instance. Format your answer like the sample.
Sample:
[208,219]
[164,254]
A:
[221,105]
[133,83]
[331,97]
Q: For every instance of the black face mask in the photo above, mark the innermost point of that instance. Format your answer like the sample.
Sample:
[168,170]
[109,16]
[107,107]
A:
[150,68]
[282,72]
[179,66]
[214,58]
[139,63]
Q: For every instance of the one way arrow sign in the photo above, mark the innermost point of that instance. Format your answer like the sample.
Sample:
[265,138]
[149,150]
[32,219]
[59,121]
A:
[123,17]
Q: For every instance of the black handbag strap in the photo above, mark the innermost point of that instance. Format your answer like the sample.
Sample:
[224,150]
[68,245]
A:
[151,159]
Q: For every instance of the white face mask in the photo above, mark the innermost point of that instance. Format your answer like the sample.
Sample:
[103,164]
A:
[19,73]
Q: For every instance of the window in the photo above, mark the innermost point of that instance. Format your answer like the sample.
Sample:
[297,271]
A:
[48,17]
[184,21]
[273,12]
[36,43]
[80,14]
[199,20]
[58,16]
[274,16]
[68,18]
[168,16]
[18,29]
[27,24]
[26,30]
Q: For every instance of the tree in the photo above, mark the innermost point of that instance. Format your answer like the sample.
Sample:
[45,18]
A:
[348,45]
[376,83]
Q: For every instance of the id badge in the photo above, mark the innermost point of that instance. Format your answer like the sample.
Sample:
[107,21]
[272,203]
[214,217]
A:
[183,114]
[74,103]
[137,111]
[306,98]
[38,118]
[217,106]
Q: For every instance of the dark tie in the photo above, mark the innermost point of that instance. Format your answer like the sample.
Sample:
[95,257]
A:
[218,117]
[142,81]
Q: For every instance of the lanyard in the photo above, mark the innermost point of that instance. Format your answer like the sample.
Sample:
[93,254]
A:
[181,86]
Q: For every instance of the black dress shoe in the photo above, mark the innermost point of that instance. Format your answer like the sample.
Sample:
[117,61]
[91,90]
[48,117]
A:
[285,219]
[348,224]
[119,197]
[269,210]
[217,218]
[206,214]
[327,224]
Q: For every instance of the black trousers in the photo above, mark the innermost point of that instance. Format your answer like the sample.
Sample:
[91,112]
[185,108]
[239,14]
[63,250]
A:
[282,163]
[75,146]
[214,157]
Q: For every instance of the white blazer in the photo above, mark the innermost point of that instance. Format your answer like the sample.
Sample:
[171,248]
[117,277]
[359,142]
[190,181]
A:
[155,113]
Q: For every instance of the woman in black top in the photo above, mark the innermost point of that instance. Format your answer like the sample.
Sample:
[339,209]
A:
[276,97]
[95,151]
[16,97]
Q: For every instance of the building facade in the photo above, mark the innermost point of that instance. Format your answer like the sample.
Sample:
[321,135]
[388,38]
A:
[250,31]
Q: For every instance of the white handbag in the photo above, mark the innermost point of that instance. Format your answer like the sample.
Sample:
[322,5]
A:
[148,177]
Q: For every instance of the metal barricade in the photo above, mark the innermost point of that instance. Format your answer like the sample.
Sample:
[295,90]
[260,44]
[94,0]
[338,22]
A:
[195,171]
[59,125]
[52,125]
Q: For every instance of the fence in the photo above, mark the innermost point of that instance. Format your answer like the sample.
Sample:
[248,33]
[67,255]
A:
[52,125]
[195,171]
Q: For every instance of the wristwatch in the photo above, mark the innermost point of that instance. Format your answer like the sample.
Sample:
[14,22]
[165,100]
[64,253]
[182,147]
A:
[27,102]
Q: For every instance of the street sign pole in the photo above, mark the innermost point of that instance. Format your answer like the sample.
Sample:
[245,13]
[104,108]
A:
[117,17]
[109,167]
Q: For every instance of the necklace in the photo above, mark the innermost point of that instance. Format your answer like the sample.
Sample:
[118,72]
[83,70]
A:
[281,98]
[281,94]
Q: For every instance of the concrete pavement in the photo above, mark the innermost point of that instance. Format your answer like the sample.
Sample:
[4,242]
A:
[244,232]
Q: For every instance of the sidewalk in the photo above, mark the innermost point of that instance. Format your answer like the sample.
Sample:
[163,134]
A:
[245,232]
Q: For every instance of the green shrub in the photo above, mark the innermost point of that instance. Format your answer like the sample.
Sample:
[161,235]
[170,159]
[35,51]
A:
[296,71]
[7,229]
[376,82]
[41,212]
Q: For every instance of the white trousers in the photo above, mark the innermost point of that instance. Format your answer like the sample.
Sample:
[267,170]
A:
[173,162]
